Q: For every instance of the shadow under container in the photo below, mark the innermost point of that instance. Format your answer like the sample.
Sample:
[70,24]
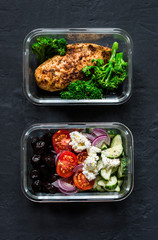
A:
[39,129]
[101,36]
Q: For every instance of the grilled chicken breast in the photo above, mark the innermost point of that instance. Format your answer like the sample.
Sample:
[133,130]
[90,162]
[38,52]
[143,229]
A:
[56,73]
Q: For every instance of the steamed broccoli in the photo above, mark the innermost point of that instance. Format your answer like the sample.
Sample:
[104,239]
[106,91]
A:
[82,90]
[46,47]
[110,75]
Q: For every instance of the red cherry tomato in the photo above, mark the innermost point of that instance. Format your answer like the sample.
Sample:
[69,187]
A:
[66,163]
[61,140]
[81,157]
[81,182]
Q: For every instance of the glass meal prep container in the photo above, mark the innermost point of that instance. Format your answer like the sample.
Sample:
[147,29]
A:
[101,36]
[38,130]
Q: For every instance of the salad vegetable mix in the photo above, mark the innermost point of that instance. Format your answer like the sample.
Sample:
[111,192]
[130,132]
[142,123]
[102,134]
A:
[70,161]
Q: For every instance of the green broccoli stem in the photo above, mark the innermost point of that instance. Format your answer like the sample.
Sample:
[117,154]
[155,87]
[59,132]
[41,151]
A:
[110,68]
[114,50]
[110,75]
[120,64]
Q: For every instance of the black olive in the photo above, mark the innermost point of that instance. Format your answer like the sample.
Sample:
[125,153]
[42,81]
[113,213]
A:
[36,160]
[37,186]
[40,147]
[34,141]
[34,174]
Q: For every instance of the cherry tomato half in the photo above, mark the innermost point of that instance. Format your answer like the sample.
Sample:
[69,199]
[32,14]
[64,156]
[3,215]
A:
[66,163]
[61,140]
[81,181]
[81,157]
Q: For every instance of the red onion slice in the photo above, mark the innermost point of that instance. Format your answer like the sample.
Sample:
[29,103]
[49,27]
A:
[100,132]
[98,141]
[52,151]
[57,156]
[65,185]
[78,167]
[55,184]
[68,193]
[90,137]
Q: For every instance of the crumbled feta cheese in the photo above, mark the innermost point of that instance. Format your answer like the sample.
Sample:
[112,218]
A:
[90,164]
[108,162]
[94,150]
[79,142]
[89,175]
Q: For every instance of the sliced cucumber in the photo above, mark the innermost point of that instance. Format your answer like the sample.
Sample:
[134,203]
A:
[111,184]
[100,188]
[122,171]
[120,182]
[97,187]
[100,165]
[102,183]
[114,170]
[117,140]
[113,152]
[106,173]
[104,146]
[117,189]
[119,174]
[96,183]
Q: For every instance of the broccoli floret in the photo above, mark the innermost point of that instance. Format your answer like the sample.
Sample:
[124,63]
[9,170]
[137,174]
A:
[82,90]
[98,62]
[110,75]
[46,47]
[86,70]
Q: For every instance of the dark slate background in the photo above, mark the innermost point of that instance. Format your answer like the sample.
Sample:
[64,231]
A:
[137,216]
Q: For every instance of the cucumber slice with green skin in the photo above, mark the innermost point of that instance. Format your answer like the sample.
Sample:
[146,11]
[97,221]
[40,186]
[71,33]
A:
[117,140]
[100,188]
[113,152]
[122,171]
[96,183]
[114,170]
[119,174]
[120,183]
[106,173]
[111,184]
[117,189]
[102,183]
[104,146]
[100,165]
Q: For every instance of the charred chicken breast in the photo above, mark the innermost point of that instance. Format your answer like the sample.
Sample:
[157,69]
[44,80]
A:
[56,73]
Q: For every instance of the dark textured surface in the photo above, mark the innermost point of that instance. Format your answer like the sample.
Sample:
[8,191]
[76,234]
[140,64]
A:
[137,216]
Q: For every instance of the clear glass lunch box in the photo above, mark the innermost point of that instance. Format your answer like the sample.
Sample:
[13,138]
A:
[101,36]
[39,129]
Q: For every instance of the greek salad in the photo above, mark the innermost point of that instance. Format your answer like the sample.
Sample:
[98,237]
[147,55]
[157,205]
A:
[74,160]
